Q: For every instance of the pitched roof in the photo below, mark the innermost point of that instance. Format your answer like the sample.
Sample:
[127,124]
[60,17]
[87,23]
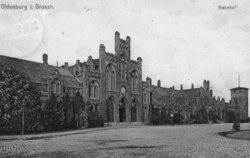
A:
[192,92]
[35,71]
[69,81]
[239,88]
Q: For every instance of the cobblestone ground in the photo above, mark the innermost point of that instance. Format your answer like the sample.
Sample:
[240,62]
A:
[198,141]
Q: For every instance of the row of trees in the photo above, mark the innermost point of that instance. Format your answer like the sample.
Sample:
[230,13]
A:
[63,113]
[20,103]
[17,94]
[202,116]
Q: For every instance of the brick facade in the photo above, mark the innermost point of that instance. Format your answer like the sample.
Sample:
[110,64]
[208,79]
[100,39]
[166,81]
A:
[112,85]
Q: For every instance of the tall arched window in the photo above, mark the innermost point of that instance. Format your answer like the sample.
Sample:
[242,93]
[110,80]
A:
[123,67]
[94,90]
[113,80]
[110,77]
[134,81]
[108,80]
[122,70]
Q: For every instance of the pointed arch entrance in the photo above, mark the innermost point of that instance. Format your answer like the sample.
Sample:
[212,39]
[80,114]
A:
[122,109]
[110,109]
[134,110]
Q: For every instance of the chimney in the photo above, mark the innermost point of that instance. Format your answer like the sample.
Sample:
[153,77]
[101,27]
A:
[139,60]
[128,39]
[223,99]
[192,86]
[181,87]
[45,59]
[117,34]
[208,85]
[173,87]
[159,83]
[214,98]
[102,48]
[149,81]
[66,64]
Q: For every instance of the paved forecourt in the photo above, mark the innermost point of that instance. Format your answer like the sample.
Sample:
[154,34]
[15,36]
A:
[144,141]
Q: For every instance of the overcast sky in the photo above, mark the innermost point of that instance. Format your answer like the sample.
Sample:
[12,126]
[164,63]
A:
[180,42]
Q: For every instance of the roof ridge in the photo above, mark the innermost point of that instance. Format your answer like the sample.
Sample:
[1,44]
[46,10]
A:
[25,60]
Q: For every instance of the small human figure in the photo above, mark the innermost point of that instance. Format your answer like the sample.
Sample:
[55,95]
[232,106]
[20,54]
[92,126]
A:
[172,121]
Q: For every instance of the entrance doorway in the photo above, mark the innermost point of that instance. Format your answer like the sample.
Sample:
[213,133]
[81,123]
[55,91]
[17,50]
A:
[122,109]
[110,109]
[122,115]
[133,110]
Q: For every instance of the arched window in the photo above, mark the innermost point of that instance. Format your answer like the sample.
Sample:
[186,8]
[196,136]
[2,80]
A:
[122,70]
[56,87]
[112,80]
[77,70]
[145,97]
[108,80]
[110,77]
[94,90]
[123,67]
[134,82]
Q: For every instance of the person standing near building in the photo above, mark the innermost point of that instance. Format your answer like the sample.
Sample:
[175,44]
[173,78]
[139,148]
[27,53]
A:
[172,119]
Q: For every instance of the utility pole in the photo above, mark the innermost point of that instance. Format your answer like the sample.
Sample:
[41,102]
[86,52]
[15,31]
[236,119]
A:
[22,120]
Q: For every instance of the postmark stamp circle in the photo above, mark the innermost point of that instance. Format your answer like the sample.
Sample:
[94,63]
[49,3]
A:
[21,30]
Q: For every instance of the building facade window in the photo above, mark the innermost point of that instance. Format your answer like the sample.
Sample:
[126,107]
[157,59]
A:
[145,97]
[77,71]
[56,87]
[44,87]
[108,80]
[110,77]
[134,82]
[94,90]
[123,71]
[123,68]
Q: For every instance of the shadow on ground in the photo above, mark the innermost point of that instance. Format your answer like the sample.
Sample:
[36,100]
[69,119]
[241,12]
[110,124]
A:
[243,134]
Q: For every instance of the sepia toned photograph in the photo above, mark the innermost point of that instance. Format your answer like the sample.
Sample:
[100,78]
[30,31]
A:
[124,79]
